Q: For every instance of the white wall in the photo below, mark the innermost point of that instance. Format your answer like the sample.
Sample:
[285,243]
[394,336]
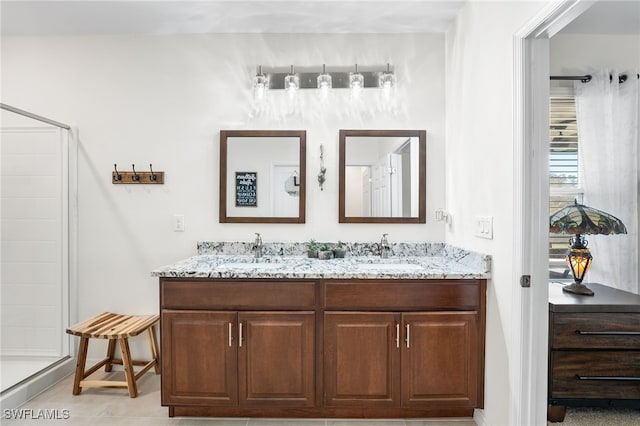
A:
[578,54]
[164,99]
[479,166]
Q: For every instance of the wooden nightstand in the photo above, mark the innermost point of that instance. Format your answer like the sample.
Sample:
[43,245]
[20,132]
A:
[594,349]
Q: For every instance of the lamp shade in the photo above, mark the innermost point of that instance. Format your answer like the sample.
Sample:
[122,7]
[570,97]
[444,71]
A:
[579,219]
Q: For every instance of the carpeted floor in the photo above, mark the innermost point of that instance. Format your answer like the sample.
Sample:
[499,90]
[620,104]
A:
[586,416]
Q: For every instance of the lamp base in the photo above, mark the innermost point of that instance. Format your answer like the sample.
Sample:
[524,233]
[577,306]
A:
[578,288]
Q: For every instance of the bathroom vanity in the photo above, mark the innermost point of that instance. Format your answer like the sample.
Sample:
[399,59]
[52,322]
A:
[287,336]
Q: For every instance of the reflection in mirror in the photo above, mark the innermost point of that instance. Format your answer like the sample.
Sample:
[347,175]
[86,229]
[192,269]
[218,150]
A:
[262,176]
[382,176]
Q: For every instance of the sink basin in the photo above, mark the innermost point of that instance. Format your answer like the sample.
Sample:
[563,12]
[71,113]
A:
[252,265]
[388,267]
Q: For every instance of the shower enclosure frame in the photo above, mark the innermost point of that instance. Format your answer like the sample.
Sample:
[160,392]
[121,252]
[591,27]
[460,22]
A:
[21,392]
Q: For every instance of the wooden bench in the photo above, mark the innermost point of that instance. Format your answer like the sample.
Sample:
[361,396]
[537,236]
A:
[114,327]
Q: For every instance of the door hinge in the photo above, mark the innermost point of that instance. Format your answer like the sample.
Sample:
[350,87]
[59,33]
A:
[525,281]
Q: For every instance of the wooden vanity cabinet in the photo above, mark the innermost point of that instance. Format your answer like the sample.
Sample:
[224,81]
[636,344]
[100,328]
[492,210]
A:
[406,359]
[440,361]
[328,348]
[361,360]
[199,367]
[213,357]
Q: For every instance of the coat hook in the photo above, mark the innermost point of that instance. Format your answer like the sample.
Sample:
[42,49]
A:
[118,176]
[135,176]
[153,176]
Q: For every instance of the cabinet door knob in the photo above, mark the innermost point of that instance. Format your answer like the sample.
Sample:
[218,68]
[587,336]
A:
[240,334]
[608,333]
[408,339]
[397,335]
[618,378]
[230,333]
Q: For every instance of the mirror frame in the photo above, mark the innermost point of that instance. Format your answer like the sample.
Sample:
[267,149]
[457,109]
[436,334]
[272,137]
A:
[422,175]
[224,135]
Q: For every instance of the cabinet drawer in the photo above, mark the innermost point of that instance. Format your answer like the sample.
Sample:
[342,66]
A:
[394,295]
[595,374]
[596,330]
[237,294]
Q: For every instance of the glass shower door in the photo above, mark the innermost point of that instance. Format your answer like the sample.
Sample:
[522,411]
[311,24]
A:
[34,287]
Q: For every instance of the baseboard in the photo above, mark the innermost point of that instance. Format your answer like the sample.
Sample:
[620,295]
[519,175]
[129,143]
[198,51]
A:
[479,417]
[23,392]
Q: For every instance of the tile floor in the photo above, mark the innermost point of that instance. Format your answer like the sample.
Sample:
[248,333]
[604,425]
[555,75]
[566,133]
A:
[107,407]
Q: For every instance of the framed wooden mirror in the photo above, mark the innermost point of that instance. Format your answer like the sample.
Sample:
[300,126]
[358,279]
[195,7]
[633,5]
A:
[262,176]
[382,176]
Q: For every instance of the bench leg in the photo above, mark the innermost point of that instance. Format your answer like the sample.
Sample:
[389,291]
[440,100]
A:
[153,342]
[111,350]
[128,367]
[80,364]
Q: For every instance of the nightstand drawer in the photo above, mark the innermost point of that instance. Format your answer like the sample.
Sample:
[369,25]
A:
[595,374]
[595,330]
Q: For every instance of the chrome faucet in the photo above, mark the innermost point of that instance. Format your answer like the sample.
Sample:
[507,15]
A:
[385,249]
[257,246]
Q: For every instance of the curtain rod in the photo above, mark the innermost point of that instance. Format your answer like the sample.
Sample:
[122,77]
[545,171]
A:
[587,78]
[582,78]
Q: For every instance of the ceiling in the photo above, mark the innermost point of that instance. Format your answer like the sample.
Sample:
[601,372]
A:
[259,16]
[608,17]
[25,17]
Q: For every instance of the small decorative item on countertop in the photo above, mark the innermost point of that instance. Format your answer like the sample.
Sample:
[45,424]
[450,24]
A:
[339,250]
[312,248]
[325,252]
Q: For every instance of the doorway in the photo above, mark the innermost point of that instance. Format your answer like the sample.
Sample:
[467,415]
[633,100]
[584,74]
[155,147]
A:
[531,206]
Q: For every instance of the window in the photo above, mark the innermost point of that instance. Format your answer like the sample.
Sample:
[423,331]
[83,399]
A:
[565,184]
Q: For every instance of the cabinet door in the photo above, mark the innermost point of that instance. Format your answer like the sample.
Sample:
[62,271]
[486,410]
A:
[361,359]
[440,359]
[199,358]
[276,353]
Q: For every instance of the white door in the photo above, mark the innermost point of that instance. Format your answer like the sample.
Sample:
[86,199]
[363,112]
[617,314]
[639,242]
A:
[381,204]
[283,203]
[366,191]
[395,184]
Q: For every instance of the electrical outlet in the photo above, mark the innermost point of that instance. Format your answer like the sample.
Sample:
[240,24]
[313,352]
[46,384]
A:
[484,227]
[178,223]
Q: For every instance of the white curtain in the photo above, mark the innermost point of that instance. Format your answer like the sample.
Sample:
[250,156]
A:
[608,117]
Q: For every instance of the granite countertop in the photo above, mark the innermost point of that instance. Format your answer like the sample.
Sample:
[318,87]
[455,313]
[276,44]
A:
[419,262]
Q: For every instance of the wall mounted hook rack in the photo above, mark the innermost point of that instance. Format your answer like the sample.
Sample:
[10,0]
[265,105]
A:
[135,177]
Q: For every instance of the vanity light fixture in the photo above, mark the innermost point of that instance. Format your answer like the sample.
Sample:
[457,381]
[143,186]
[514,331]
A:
[340,77]
[291,81]
[387,80]
[356,81]
[324,79]
[260,84]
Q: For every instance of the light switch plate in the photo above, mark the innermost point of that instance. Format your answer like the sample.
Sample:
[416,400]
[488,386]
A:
[178,223]
[484,227]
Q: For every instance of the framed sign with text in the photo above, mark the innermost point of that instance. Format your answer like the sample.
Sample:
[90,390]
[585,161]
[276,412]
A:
[246,189]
